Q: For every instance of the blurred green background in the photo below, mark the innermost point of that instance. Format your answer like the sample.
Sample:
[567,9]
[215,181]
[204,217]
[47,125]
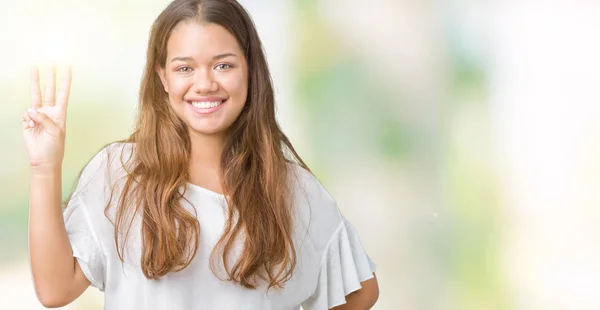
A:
[460,138]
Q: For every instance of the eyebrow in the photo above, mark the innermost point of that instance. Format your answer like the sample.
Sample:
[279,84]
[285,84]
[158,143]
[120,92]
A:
[217,57]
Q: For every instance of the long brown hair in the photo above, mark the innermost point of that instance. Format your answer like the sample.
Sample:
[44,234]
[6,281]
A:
[254,164]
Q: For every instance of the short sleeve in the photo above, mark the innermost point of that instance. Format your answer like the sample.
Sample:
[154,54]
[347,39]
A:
[344,265]
[85,243]
[87,202]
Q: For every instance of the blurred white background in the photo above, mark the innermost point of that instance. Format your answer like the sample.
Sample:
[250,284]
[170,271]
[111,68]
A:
[461,138]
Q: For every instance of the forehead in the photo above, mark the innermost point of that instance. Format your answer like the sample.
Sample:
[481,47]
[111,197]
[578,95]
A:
[190,38]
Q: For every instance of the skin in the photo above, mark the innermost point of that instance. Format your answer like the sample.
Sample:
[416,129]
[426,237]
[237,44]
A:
[202,72]
[205,60]
[57,277]
[362,299]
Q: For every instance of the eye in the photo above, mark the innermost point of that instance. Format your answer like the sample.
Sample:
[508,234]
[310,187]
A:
[184,69]
[223,66]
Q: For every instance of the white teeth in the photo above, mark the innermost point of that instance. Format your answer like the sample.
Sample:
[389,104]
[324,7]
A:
[205,104]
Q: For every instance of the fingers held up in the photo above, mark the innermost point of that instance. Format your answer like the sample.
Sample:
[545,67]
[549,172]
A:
[50,97]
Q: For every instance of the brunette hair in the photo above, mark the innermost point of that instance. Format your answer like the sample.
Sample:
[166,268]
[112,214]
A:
[255,165]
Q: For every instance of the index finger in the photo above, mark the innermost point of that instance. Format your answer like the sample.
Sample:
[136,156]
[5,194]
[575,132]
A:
[64,87]
[36,93]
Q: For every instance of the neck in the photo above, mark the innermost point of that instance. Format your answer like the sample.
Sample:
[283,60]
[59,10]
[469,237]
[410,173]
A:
[206,150]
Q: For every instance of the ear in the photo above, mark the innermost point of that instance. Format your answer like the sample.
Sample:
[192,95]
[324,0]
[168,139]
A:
[163,79]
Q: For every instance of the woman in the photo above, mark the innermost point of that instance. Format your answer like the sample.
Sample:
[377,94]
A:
[206,205]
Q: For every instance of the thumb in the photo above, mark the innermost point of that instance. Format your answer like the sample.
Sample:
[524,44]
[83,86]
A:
[42,119]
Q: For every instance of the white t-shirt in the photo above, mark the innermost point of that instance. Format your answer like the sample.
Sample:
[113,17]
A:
[331,261]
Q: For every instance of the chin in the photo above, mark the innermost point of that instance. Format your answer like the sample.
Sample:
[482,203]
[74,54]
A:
[201,130]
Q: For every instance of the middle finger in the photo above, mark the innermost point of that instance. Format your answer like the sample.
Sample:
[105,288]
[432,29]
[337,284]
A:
[50,89]
[36,94]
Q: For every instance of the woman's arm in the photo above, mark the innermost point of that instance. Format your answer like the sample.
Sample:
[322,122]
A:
[57,278]
[364,298]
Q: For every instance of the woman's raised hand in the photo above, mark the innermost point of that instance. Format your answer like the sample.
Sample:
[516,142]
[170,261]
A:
[44,123]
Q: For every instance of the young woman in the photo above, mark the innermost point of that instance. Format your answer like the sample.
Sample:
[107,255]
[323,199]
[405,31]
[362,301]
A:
[206,205]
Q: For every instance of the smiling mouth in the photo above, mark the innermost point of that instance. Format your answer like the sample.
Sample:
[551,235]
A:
[206,104]
[206,107]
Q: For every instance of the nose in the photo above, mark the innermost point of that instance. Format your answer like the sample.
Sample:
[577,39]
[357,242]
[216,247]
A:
[204,82]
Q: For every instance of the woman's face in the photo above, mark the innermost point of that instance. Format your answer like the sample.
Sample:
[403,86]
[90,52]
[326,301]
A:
[206,77]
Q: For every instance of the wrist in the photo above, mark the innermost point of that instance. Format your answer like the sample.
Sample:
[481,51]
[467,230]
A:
[45,170]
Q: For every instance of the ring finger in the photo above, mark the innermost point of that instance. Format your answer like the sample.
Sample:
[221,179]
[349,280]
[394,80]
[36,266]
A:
[27,121]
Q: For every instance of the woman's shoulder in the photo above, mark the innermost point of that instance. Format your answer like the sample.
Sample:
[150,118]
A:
[316,209]
[107,166]
[306,184]
[115,155]
[116,149]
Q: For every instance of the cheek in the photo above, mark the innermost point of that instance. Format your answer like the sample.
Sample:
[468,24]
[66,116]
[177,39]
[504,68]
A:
[237,87]
[178,87]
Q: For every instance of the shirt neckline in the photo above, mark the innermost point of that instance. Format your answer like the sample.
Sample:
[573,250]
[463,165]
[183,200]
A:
[204,190]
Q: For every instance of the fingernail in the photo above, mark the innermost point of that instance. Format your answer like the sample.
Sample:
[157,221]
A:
[31,124]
